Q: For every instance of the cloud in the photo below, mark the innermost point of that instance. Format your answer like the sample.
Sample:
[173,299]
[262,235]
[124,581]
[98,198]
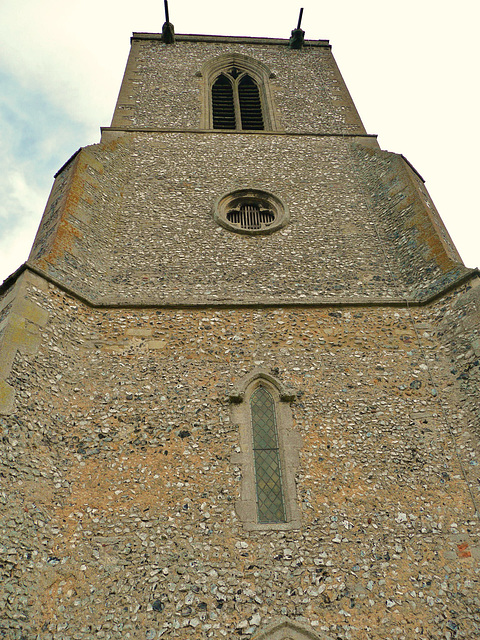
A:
[19,218]
[61,51]
[57,89]
[36,138]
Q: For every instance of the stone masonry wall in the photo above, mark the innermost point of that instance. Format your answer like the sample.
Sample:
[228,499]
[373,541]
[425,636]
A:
[119,451]
[78,228]
[458,321]
[137,224]
[162,87]
[118,491]
[426,256]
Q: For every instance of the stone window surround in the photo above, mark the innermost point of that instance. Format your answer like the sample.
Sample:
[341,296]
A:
[258,71]
[285,629]
[290,443]
[223,204]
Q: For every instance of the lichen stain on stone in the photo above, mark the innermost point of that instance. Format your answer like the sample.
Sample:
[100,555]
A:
[426,237]
[66,233]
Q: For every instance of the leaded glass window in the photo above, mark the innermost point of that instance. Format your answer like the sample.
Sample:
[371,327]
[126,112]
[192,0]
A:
[268,474]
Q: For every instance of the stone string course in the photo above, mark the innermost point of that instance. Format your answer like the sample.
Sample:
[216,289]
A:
[106,535]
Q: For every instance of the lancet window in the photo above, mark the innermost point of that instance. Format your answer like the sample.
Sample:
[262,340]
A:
[269,453]
[266,455]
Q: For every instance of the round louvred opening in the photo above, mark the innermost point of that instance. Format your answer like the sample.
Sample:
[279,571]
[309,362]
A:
[250,212]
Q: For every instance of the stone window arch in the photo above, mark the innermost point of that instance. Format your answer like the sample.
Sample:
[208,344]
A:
[285,629]
[236,94]
[268,453]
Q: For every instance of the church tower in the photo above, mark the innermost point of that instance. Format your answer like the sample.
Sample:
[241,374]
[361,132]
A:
[239,372]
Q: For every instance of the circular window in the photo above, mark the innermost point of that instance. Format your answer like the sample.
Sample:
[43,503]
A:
[251,212]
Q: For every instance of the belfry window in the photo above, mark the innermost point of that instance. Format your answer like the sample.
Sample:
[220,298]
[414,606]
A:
[250,105]
[223,105]
[268,474]
[251,216]
[236,102]
[236,94]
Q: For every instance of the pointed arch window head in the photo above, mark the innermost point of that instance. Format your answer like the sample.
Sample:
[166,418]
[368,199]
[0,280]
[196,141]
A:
[236,102]
[236,94]
[285,629]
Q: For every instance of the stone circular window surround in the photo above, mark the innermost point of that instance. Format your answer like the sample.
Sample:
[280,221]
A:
[233,205]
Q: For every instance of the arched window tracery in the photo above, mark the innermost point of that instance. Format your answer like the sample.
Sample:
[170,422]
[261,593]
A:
[237,95]
[236,102]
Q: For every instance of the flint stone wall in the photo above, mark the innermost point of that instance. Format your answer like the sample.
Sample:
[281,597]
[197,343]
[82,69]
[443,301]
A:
[162,86]
[137,226]
[118,489]
[118,480]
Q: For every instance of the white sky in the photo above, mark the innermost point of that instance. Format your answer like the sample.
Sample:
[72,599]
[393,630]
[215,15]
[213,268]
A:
[411,67]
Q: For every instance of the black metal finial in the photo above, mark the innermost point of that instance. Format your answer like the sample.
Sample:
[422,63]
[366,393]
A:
[299,18]
[168,31]
[297,38]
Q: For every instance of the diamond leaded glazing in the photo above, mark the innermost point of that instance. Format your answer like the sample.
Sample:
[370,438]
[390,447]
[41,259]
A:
[268,477]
